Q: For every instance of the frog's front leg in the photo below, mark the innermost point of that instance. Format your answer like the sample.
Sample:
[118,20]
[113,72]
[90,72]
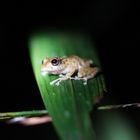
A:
[63,78]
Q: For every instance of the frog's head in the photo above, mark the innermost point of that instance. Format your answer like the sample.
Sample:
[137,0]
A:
[51,65]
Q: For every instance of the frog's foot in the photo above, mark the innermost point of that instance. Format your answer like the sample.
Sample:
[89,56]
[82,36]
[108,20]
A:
[85,81]
[56,82]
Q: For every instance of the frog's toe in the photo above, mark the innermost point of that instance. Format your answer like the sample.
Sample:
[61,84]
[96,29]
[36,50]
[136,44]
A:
[51,83]
[57,83]
[85,83]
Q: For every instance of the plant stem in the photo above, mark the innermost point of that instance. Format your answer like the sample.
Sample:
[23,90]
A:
[32,113]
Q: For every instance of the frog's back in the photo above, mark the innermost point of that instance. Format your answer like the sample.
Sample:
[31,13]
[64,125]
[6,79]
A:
[80,61]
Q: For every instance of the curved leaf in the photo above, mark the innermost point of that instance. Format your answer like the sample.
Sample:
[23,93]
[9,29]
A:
[70,103]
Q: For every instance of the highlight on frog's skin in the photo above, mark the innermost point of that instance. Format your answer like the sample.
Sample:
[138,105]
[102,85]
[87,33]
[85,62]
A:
[43,73]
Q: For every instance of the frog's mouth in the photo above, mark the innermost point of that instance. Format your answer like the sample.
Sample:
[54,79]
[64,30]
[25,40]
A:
[56,72]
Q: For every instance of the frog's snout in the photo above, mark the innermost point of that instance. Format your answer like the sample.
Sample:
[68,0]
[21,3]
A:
[43,73]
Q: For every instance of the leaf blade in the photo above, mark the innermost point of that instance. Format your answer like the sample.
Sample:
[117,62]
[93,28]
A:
[70,103]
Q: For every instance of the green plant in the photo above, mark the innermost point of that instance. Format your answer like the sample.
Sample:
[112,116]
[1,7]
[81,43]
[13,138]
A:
[70,103]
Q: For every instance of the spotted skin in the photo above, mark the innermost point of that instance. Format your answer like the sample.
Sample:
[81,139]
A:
[65,67]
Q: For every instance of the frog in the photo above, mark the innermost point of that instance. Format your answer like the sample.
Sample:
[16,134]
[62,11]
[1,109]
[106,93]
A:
[67,66]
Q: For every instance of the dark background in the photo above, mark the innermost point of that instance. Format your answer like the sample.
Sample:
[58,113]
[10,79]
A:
[113,26]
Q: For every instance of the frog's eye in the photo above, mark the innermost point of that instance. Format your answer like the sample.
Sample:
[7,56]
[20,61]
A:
[55,62]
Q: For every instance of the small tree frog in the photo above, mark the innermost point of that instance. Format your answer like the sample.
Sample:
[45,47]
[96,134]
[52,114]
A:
[66,67]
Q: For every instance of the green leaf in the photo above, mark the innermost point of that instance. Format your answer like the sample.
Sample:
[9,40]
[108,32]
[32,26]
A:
[70,103]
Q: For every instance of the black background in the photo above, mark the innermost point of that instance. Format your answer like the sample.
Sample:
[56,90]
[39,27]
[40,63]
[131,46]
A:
[113,26]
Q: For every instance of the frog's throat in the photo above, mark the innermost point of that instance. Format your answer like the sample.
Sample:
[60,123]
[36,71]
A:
[56,72]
